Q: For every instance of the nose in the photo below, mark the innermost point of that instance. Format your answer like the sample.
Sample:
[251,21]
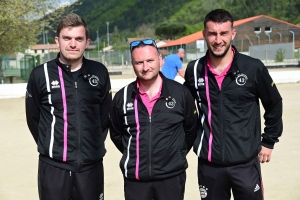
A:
[218,39]
[73,42]
[145,66]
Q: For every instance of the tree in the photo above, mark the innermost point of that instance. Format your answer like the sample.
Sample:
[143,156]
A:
[145,30]
[170,31]
[21,21]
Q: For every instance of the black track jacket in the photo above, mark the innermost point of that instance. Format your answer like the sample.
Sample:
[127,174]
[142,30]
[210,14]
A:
[69,119]
[153,147]
[230,131]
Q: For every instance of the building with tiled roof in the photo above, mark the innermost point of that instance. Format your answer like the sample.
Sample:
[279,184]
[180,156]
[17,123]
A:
[251,32]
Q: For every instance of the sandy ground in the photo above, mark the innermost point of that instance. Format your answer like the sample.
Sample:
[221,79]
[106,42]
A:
[19,157]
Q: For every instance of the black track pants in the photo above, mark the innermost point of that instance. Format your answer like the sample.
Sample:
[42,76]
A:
[59,184]
[167,189]
[216,182]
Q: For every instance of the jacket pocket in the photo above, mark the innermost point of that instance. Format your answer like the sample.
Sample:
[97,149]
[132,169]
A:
[168,160]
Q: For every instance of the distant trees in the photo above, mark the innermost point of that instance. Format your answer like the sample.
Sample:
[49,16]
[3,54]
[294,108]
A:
[170,30]
[145,30]
[128,16]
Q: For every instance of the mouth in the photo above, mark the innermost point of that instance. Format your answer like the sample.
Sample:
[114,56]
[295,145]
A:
[72,50]
[218,48]
[145,73]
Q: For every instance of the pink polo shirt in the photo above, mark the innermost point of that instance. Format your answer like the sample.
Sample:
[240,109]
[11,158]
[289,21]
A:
[146,100]
[220,77]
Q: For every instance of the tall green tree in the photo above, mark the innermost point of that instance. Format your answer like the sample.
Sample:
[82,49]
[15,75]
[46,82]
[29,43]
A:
[21,21]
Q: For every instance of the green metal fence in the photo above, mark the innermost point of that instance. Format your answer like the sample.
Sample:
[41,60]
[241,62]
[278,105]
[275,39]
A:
[27,63]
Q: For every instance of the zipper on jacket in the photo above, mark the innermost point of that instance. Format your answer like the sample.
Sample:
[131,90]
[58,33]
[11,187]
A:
[222,139]
[150,137]
[222,121]
[78,123]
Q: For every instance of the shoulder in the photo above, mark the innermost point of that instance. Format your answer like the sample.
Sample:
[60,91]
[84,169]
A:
[40,69]
[126,89]
[179,92]
[247,61]
[175,87]
[191,65]
[96,69]
[172,56]
[95,65]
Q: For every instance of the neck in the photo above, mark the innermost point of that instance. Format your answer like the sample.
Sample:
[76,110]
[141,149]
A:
[75,64]
[219,64]
[151,87]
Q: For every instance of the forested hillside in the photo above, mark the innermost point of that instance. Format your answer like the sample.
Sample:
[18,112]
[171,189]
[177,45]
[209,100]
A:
[133,18]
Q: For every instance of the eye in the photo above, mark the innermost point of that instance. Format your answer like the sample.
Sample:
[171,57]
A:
[66,38]
[224,33]
[212,34]
[138,63]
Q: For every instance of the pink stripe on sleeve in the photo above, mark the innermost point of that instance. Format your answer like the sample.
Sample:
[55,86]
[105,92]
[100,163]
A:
[63,92]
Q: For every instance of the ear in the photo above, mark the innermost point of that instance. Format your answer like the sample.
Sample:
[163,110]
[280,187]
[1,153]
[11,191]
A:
[203,33]
[56,41]
[88,41]
[160,60]
[233,34]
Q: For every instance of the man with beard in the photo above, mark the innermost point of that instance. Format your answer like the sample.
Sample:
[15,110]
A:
[153,124]
[228,86]
[67,105]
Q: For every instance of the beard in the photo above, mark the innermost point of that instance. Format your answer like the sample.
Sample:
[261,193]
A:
[219,55]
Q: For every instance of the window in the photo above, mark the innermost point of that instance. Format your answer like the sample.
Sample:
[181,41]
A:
[257,30]
[268,29]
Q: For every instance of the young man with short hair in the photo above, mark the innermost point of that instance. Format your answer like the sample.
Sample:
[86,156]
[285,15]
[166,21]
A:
[228,86]
[67,105]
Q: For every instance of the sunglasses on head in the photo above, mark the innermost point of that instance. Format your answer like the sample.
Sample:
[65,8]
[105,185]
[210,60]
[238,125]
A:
[139,42]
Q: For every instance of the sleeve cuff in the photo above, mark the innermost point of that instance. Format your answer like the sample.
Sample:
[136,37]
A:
[267,143]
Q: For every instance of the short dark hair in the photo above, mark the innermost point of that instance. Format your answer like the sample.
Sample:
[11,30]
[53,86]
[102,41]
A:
[72,20]
[218,16]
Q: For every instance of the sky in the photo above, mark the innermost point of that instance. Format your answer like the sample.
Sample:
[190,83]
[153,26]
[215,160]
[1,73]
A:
[63,2]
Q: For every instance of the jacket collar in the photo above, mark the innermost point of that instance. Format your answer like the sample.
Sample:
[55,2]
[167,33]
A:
[164,90]
[234,69]
[84,68]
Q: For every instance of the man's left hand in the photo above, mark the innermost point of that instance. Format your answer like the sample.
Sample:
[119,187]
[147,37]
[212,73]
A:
[265,154]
